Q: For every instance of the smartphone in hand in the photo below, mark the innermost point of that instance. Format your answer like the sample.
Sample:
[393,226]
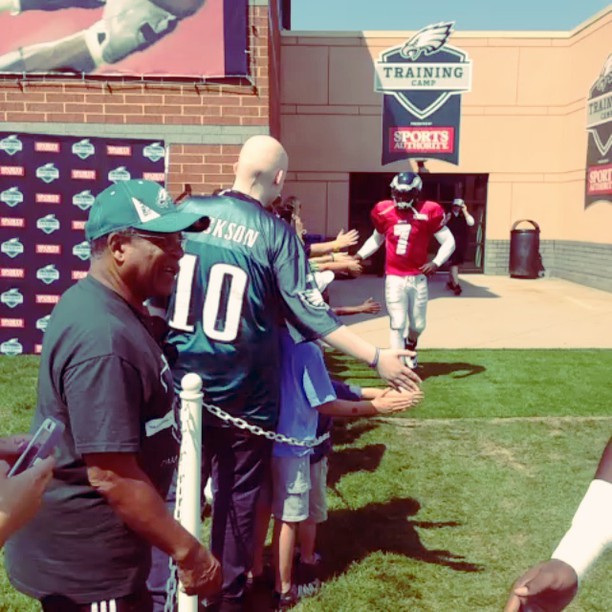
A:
[40,446]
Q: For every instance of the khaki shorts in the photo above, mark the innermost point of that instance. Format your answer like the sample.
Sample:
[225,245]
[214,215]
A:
[317,510]
[290,488]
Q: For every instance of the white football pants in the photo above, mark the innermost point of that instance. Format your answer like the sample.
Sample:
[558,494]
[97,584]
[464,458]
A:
[406,298]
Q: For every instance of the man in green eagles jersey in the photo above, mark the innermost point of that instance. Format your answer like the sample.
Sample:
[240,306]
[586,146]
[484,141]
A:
[238,281]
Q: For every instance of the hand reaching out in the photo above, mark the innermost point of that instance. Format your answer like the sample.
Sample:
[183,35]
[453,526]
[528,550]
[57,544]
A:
[345,240]
[391,368]
[392,401]
[370,306]
[21,495]
[546,587]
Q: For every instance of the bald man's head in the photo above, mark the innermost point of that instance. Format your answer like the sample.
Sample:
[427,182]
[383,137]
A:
[261,168]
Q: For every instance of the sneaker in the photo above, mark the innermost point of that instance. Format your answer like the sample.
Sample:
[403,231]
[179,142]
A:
[411,362]
[457,289]
[308,582]
[284,601]
[449,285]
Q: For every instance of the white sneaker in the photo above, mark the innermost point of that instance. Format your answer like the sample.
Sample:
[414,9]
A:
[412,362]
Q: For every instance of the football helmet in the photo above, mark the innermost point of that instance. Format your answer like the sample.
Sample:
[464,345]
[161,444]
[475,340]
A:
[405,189]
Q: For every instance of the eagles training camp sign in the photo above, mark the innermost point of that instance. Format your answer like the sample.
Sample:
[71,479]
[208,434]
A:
[599,149]
[422,81]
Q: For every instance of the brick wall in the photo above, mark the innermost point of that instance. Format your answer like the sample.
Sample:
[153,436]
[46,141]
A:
[586,263]
[204,124]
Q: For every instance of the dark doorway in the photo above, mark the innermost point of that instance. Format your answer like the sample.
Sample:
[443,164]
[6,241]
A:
[367,188]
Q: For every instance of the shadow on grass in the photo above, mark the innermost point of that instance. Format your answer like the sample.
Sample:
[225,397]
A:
[459,369]
[348,431]
[350,535]
[351,460]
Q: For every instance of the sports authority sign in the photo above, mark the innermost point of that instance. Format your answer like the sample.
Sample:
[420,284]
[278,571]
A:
[599,149]
[422,82]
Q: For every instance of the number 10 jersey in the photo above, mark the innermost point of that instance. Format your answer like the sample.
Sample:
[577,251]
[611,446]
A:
[239,281]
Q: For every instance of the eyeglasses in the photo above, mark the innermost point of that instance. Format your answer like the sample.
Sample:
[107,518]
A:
[166,242]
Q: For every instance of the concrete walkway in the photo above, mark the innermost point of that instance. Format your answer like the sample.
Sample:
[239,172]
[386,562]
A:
[492,312]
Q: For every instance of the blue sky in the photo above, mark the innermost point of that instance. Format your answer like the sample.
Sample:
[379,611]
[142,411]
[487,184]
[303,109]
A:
[467,14]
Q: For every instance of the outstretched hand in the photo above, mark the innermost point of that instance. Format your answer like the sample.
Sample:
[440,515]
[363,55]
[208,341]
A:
[345,240]
[392,401]
[370,306]
[392,368]
[546,587]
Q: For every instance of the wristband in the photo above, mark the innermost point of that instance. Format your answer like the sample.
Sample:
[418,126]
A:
[591,529]
[374,361]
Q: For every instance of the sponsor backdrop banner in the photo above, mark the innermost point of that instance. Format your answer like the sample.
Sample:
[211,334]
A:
[126,37]
[47,186]
[422,81]
[599,149]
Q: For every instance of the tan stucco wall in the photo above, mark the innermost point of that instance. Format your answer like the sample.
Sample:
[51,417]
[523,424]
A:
[524,123]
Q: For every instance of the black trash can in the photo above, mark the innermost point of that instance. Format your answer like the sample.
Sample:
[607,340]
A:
[525,251]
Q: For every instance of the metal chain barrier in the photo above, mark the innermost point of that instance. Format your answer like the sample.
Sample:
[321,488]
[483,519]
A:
[260,431]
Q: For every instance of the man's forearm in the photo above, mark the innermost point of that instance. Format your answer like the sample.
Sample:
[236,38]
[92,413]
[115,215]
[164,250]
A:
[351,344]
[142,509]
[322,248]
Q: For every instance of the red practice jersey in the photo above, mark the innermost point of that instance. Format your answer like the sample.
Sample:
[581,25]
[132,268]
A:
[407,235]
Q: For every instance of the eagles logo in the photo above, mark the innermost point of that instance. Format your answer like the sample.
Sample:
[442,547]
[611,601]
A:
[427,41]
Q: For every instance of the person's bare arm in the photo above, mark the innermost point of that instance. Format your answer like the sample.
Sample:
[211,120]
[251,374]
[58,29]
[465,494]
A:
[343,241]
[386,403]
[387,362]
[552,585]
[369,306]
[346,264]
[128,490]
[21,495]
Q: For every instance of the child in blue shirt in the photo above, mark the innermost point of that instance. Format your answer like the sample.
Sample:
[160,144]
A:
[306,391]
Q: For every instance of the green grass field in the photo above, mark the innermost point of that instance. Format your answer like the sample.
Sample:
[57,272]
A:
[442,508]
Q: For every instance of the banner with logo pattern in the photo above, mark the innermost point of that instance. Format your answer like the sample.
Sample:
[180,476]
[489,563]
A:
[47,186]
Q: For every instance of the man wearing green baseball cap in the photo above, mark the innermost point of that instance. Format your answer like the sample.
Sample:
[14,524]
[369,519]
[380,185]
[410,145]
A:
[103,374]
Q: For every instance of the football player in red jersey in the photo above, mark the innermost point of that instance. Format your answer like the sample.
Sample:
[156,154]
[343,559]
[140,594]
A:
[406,224]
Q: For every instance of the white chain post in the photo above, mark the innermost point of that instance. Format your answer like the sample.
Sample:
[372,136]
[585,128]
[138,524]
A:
[189,469]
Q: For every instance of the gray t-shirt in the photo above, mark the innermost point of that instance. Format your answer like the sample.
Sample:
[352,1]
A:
[105,377]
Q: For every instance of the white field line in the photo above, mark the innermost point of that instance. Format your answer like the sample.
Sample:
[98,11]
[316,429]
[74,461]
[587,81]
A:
[399,422]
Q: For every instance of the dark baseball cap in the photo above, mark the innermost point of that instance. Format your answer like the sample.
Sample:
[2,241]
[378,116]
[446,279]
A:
[138,204]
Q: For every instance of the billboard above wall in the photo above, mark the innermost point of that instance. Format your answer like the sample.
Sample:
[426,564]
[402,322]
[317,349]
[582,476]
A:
[154,38]
[599,148]
[422,81]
